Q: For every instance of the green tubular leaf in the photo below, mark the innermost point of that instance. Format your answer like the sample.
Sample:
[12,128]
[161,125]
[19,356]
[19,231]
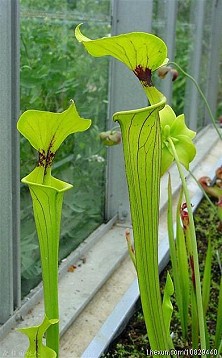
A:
[193,253]
[218,335]
[46,131]
[183,274]
[178,257]
[47,207]
[133,49]
[170,223]
[167,304]
[154,96]
[142,53]
[35,334]
[35,178]
[207,278]
[142,151]
[195,322]
[219,350]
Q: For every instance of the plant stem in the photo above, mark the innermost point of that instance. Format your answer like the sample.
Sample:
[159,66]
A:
[51,303]
[194,249]
[204,193]
[201,94]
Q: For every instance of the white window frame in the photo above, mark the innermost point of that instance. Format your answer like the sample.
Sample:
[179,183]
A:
[10,296]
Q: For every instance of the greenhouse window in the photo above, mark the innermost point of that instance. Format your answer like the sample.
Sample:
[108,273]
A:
[55,69]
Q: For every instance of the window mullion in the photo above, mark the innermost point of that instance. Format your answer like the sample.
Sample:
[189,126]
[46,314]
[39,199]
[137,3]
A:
[15,105]
[9,203]
[192,96]
[170,10]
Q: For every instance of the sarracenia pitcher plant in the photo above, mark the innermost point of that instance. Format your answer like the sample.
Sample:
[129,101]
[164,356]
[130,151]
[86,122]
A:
[46,131]
[141,135]
[152,139]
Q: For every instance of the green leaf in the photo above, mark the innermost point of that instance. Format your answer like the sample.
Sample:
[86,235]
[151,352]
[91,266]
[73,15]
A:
[189,229]
[133,49]
[179,128]
[46,130]
[142,151]
[38,177]
[47,207]
[141,52]
[207,278]
[183,288]
[179,261]
[167,304]
[35,335]
[194,318]
[218,335]
[175,128]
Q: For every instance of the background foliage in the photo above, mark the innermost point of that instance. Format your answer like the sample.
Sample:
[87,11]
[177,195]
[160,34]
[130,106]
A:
[185,45]
[55,69]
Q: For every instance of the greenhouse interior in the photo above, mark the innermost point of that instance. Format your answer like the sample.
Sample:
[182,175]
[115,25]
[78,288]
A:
[130,94]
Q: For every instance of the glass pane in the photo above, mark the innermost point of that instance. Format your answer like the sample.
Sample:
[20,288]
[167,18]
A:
[205,63]
[190,31]
[183,44]
[54,69]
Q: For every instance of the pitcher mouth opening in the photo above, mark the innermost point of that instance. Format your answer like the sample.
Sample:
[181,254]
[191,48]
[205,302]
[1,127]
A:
[51,183]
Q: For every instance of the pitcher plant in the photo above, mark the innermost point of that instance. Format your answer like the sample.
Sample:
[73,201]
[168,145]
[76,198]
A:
[46,131]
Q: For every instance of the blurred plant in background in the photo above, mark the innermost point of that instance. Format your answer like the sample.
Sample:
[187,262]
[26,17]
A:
[54,69]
